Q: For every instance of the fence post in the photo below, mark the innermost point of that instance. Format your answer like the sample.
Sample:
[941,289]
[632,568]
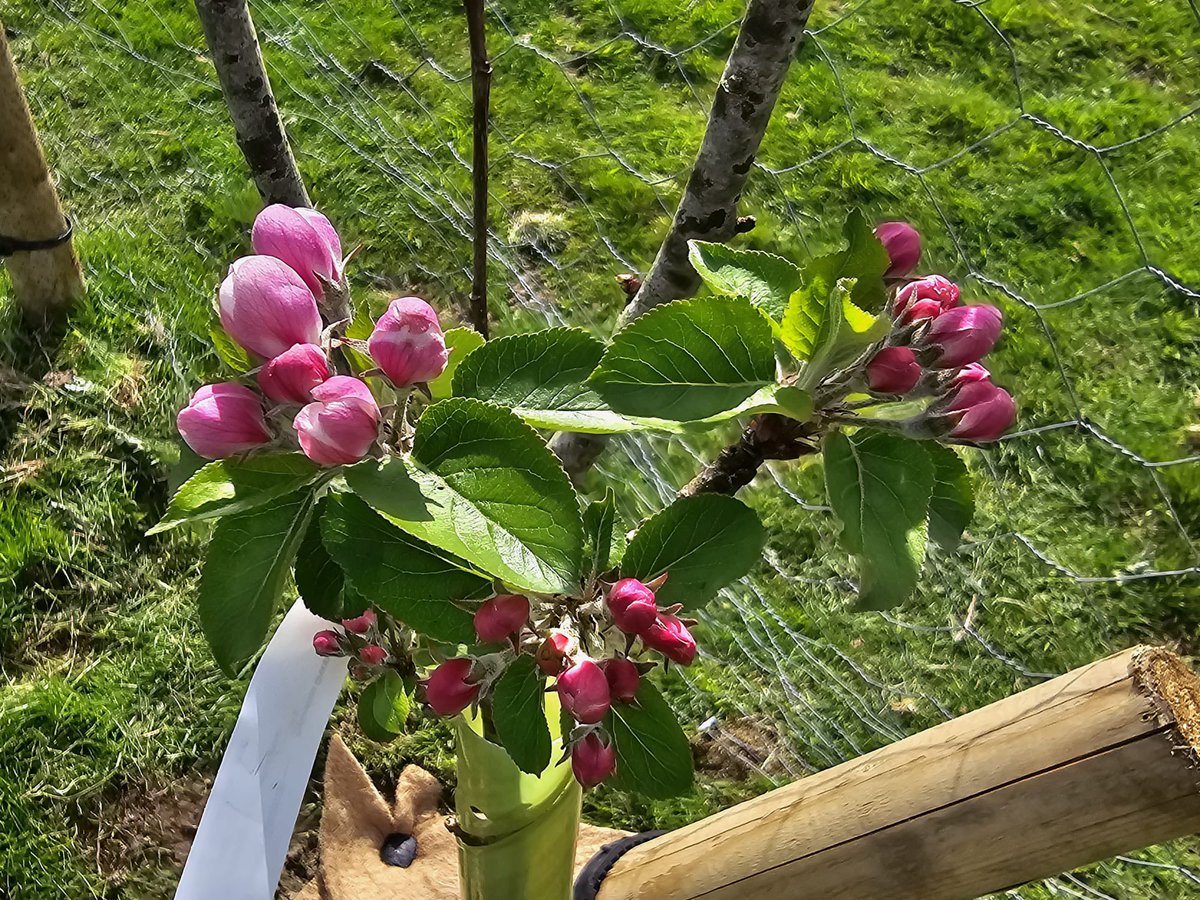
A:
[233,44]
[44,281]
[1094,763]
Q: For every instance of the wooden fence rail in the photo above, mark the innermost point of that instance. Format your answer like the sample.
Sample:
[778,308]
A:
[1097,762]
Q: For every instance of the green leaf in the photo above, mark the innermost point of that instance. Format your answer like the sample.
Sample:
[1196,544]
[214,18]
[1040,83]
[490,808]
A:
[864,260]
[823,326]
[540,376]
[396,572]
[462,342]
[765,279]
[228,350]
[483,486]
[318,578]
[383,708]
[879,485]
[244,572]
[604,540]
[520,717]
[653,756]
[688,360]
[229,486]
[953,501]
[702,542]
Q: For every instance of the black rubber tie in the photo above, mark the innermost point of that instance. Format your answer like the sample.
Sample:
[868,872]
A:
[587,884]
[11,245]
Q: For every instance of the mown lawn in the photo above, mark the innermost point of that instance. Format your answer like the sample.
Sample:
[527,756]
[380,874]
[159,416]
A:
[1039,147]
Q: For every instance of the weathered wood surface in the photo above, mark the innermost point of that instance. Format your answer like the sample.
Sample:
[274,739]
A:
[1097,762]
[44,282]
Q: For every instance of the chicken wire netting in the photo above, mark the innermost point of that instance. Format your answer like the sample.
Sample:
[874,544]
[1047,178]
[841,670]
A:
[1048,155]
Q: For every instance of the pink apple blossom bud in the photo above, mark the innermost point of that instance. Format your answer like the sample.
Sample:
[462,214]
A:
[291,376]
[969,373]
[266,307]
[962,335]
[623,679]
[339,428]
[360,624]
[893,370]
[327,643]
[373,655]
[670,637]
[223,419]
[592,760]
[302,238]
[448,689]
[936,288]
[632,605]
[501,617]
[903,245]
[583,692]
[551,654]
[407,342]
[981,412]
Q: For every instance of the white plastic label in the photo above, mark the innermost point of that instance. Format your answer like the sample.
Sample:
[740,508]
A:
[241,844]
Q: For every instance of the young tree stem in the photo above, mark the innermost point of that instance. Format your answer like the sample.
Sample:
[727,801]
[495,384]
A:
[481,83]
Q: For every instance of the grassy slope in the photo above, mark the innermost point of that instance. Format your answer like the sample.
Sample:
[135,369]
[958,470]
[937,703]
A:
[105,684]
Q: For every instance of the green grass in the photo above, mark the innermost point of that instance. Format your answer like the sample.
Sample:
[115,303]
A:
[105,685]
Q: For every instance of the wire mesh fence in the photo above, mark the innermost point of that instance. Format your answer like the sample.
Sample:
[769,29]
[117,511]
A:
[1045,153]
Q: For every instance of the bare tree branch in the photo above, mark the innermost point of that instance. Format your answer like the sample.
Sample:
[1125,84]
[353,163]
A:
[233,44]
[767,437]
[766,45]
[481,83]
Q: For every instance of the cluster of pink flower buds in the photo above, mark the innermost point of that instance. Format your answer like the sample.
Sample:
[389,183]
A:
[360,641]
[268,304]
[634,611]
[935,348]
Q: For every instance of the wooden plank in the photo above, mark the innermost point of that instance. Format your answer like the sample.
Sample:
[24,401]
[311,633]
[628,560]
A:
[1074,770]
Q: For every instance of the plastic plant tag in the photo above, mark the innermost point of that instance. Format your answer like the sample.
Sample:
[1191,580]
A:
[241,844]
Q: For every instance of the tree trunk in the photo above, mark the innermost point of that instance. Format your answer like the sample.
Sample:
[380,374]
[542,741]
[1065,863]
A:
[1097,762]
[233,44]
[44,281]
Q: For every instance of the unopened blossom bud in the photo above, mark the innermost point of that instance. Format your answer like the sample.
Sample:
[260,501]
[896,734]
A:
[893,370]
[407,342]
[623,679]
[980,412]
[302,238]
[670,637]
[291,376]
[632,605]
[340,427]
[266,307]
[223,419]
[941,291]
[501,617]
[962,335]
[327,643]
[360,624]
[448,690]
[903,245]
[583,692]
[551,654]
[969,373]
[373,655]
[592,760]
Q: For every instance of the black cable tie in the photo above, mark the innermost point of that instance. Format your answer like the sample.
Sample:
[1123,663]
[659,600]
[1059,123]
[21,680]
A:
[11,245]
[587,884]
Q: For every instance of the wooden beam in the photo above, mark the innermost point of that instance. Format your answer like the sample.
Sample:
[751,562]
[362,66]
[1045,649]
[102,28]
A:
[1097,762]
[44,281]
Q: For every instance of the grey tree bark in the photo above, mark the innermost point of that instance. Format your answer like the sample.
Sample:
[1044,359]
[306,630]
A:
[766,45]
[233,43]
[44,281]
